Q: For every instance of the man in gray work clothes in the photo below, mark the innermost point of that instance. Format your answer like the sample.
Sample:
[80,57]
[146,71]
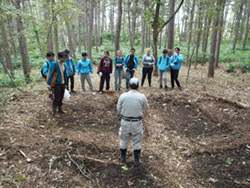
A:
[131,106]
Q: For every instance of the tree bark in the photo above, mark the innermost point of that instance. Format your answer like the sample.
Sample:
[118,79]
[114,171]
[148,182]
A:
[6,48]
[143,23]
[205,37]
[129,25]
[134,18]
[70,39]
[220,34]
[171,28]
[90,32]
[22,44]
[2,60]
[73,36]
[118,26]
[112,10]
[11,35]
[239,12]
[247,29]
[49,28]
[199,33]
[213,40]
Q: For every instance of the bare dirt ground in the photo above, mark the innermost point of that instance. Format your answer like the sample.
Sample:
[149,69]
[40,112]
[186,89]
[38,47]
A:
[193,139]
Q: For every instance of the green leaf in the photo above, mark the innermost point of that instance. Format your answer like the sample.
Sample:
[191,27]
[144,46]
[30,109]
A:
[229,162]
[125,168]
[20,178]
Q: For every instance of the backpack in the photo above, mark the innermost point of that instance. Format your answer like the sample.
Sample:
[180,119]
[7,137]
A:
[43,75]
[117,58]
[167,60]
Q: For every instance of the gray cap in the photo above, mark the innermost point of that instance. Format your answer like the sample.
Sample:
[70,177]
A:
[134,81]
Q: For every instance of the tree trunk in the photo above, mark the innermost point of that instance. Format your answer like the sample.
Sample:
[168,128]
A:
[239,12]
[103,19]
[96,28]
[73,37]
[205,38]
[143,23]
[247,29]
[220,34]
[63,38]
[118,26]
[2,60]
[155,32]
[49,28]
[129,25]
[22,44]
[85,24]
[11,35]
[134,18]
[171,28]
[112,7]
[70,39]
[91,20]
[6,48]
[79,35]
[213,40]
[199,33]
[190,28]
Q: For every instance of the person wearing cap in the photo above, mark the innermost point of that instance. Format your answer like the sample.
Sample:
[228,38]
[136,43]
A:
[130,63]
[148,62]
[163,64]
[175,65]
[85,71]
[131,106]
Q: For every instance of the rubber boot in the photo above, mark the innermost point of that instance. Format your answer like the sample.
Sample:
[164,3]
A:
[60,110]
[137,157]
[123,155]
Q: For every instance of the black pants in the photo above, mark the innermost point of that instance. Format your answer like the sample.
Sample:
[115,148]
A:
[58,95]
[71,78]
[174,77]
[147,71]
[105,76]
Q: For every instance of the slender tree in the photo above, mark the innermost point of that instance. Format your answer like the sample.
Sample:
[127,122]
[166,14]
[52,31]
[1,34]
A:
[118,26]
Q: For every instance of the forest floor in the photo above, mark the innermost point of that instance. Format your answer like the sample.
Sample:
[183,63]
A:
[193,139]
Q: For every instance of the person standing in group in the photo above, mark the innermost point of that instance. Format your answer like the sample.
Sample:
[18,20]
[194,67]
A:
[163,64]
[148,62]
[175,65]
[71,71]
[131,106]
[57,79]
[45,71]
[85,70]
[118,70]
[50,60]
[131,63]
[105,71]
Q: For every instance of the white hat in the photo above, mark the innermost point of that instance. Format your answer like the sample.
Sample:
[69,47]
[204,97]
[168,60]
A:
[134,81]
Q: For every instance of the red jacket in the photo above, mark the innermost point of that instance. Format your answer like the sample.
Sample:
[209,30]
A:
[105,65]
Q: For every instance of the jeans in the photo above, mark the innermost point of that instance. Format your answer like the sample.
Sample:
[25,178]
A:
[88,78]
[58,95]
[163,74]
[105,76]
[147,71]
[71,78]
[174,77]
[118,75]
[129,75]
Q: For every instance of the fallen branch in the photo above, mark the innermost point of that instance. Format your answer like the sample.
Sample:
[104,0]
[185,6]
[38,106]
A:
[102,161]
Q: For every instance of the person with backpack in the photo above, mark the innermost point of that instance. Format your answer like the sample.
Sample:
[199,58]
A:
[71,71]
[57,79]
[131,63]
[148,62]
[163,64]
[50,60]
[118,70]
[175,65]
[105,71]
[85,70]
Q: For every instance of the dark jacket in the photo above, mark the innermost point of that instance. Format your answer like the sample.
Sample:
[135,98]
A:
[105,65]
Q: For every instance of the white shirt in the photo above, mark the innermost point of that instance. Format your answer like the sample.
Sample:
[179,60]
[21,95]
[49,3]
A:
[132,104]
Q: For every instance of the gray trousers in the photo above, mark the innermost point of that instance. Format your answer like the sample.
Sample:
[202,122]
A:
[86,77]
[131,129]
[163,74]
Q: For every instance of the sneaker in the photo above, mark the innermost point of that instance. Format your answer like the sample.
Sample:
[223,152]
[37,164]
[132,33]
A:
[73,91]
[100,92]
[93,93]
[180,88]
[83,93]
